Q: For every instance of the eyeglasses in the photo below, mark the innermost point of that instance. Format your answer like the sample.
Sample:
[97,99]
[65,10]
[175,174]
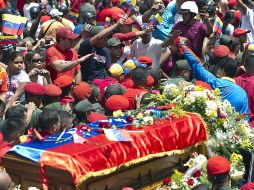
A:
[37,60]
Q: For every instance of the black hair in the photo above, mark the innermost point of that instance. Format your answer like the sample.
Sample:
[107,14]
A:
[47,119]
[201,187]
[146,100]
[249,62]
[2,105]
[139,76]
[13,55]
[15,112]
[218,178]
[229,65]
[95,93]
[64,117]
[11,128]
[66,90]
[143,8]
[49,100]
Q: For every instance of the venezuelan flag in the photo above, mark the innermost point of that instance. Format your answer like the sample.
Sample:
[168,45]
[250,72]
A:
[11,24]
[157,19]
[72,16]
[22,25]
[129,10]
[217,26]
[107,21]
[8,40]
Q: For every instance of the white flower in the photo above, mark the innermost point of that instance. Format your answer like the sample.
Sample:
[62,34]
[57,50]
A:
[148,119]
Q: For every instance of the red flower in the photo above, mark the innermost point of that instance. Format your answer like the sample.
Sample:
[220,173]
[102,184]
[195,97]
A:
[130,127]
[104,125]
[166,181]
[166,107]
[197,174]
[129,119]
[172,116]
[190,182]
[100,130]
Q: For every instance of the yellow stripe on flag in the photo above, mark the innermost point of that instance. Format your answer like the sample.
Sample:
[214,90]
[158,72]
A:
[8,37]
[12,18]
[158,17]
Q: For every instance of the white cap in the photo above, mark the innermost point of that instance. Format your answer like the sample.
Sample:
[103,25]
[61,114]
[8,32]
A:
[55,13]
[190,6]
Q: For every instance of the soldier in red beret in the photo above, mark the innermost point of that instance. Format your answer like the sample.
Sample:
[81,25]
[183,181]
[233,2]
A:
[65,82]
[139,77]
[52,94]
[34,92]
[145,60]
[81,91]
[218,169]
[116,102]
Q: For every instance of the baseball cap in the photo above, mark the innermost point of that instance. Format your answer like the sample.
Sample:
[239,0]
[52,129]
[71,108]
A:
[113,42]
[189,7]
[128,21]
[116,70]
[66,33]
[240,31]
[55,13]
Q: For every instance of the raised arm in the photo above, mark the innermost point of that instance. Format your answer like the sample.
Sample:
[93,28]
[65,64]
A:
[242,6]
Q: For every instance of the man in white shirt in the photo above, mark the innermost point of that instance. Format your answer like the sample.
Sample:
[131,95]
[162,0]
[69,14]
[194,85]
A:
[152,47]
[247,19]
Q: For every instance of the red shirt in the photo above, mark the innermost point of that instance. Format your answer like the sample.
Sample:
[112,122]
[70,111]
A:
[128,82]
[114,13]
[131,94]
[246,81]
[75,7]
[54,53]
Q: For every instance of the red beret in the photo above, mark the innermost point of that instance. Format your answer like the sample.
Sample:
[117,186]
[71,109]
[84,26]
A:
[66,99]
[232,3]
[93,117]
[240,31]
[117,102]
[145,60]
[248,186]
[150,80]
[52,90]
[35,89]
[218,165]
[221,51]
[63,81]
[82,90]
[203,84]
[128,83]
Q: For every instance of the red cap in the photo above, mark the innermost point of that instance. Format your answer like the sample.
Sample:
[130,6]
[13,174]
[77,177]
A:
[221,51]
[248,186]
[145,60]
[66,33]
[240,31]
[35,89]
[63,81]
[117,102]
[66,99]
[218,165]
[93,117]
[82,90]
[232,3]
[52,90]
[203,84]
[128,22]
[150,80]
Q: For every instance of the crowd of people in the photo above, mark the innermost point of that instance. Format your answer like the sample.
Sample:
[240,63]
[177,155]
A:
[65,71]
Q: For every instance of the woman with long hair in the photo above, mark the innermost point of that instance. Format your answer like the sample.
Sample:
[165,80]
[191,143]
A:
[17,78]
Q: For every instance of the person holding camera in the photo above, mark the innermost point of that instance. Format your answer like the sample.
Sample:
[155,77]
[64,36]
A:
[169,16]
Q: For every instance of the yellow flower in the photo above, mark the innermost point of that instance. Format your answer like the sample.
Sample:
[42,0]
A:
[139,116]
[177,177]
[117,113]
[23,138]
[213,113]
[235,158]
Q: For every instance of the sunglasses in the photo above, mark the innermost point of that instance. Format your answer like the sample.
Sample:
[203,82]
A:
[37,60]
